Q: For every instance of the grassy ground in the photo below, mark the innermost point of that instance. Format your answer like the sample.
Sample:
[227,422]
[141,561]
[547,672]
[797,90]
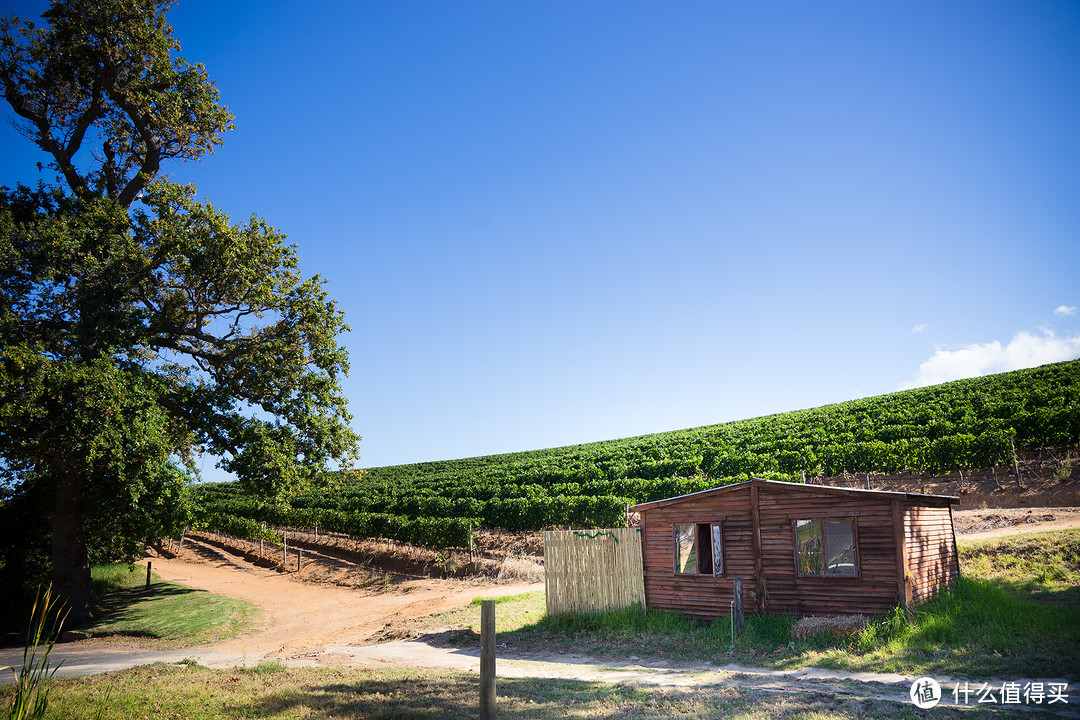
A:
[1014,614]
[166,615]
[512,612]
[272,691]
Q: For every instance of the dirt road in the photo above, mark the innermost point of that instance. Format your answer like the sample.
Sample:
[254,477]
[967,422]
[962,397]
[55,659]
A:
[999,522]
[302,617]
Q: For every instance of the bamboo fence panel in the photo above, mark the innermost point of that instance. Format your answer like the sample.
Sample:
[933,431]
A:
[593,570]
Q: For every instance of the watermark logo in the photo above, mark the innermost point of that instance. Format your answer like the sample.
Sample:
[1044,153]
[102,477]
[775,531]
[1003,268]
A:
[925,693]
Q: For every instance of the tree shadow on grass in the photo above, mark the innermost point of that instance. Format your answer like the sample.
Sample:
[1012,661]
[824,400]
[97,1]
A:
[1066,597]
[443,698]
[456,696]
[121,605]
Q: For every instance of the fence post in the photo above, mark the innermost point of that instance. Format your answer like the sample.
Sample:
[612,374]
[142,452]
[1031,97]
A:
[299,559]
[1016,467]
[487,660]
[284,547]
[740,620]
[147,574]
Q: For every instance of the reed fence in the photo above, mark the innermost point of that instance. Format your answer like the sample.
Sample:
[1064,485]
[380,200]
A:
[593,570]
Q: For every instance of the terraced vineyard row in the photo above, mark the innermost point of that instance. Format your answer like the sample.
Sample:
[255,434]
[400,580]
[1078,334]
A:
[967,424]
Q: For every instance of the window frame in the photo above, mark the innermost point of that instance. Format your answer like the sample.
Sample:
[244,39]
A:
[715,529]
[822,519]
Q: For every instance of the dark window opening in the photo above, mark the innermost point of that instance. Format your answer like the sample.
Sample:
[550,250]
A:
[704,556]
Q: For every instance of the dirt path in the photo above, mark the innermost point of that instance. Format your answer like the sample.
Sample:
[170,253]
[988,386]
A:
[300,617]
[992,523]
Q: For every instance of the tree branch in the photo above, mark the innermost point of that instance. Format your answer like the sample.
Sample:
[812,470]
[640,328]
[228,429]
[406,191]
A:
[92,113]
[44,138]
[151,160]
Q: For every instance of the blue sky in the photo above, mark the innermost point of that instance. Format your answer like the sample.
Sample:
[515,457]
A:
[554,223]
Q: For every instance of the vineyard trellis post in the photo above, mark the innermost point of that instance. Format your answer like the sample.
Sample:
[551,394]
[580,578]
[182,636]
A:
[1016,466]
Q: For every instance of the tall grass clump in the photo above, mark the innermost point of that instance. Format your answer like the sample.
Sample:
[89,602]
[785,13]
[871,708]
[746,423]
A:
[34,678]
[765,632]
[978,627]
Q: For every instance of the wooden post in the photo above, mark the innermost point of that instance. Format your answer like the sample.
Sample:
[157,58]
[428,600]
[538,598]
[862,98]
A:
[1016,466]
[740,618]
[299,559]
[487,660]
[147,574]
[284,547]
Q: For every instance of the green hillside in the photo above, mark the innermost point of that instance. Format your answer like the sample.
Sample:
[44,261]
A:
[966,424]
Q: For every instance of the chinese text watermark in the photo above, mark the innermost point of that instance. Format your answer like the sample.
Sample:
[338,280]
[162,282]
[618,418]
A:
[926,692]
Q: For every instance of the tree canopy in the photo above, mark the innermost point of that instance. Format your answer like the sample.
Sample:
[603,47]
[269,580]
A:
[140,326]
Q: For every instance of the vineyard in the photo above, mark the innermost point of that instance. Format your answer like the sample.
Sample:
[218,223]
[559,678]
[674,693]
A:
[962,425]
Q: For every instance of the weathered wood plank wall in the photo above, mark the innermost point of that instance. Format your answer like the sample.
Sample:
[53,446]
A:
[872,590]
[704,596]
[905,550]
[933,562]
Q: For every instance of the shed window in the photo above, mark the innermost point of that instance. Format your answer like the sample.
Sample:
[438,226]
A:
[699,549]
[826,547]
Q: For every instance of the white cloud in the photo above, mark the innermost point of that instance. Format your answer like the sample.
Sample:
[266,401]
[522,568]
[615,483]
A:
[1025,350]
[1065,310]
[918,328]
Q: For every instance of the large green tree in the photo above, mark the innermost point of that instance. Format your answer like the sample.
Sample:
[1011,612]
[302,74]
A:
[139,326]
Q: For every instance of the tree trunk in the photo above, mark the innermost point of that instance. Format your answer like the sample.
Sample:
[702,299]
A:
[70,558]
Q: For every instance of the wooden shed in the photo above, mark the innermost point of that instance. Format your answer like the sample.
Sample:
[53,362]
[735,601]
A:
[804,549]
